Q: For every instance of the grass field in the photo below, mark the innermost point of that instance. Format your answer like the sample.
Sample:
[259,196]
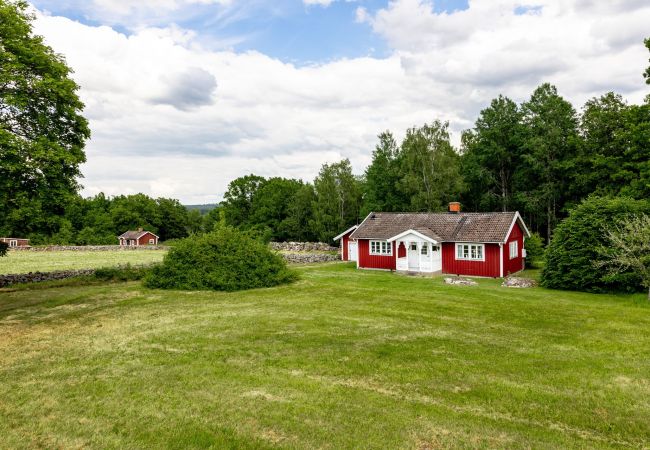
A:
[341,359]
[25,261]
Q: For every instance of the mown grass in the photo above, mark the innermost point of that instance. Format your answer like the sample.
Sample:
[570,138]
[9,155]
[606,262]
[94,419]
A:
[26,261]
[341,359]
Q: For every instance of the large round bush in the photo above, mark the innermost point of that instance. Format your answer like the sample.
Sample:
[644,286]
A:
[223,260]
[574,248]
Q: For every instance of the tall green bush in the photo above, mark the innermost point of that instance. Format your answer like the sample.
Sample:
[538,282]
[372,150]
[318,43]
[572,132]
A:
[575,247]
[4,247]
[223,260]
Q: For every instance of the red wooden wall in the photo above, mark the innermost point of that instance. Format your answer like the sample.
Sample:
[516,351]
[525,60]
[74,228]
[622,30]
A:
[344,247]
[488,268]
[515,264]
[368,261]
[144,239]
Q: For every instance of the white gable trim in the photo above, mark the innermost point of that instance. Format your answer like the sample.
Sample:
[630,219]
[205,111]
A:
[512,225]
[416,233]
[353,227]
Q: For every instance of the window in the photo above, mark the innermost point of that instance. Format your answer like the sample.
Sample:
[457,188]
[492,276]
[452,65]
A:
[152,241]
[425,249]
[381,248]
[472,252]
[13,243]
[514,249]
[414,246]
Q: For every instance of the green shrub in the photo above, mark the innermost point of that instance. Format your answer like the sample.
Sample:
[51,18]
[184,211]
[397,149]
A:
[4,247]
[223,260]
[534,250]
[122,273]
[574,248]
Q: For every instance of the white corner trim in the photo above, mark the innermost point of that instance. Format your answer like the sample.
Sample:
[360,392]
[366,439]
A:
[501,259]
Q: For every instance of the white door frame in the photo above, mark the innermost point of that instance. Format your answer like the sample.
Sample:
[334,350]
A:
[353,256]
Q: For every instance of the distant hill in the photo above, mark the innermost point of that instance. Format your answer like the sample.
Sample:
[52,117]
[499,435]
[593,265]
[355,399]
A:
[203,209]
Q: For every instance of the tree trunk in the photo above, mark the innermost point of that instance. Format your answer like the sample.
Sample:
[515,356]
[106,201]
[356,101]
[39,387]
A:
[649,294]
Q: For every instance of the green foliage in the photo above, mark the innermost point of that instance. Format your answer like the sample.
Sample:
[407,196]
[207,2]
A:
[4,248]
[615,153]
[121,273]
[549,146]
[429,168]
[338,200]
[223,260]
[491,156]
[42,132]
[575,246]
[382,178]
[627,248]
[534,250]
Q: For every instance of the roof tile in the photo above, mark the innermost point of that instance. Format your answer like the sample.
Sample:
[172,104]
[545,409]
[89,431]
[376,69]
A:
[443,227]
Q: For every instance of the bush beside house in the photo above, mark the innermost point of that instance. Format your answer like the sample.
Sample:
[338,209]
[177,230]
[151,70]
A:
[574,249]
[223,260]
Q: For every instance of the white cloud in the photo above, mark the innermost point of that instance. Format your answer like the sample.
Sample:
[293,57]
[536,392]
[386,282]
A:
[170,117]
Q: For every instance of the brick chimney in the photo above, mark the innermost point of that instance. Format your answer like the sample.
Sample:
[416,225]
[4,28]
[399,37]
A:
[454,207]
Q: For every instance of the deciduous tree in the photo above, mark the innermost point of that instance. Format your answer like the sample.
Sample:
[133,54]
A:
[628,248]
[42,131]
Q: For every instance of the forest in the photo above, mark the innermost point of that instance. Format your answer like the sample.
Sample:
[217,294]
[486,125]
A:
[541,157]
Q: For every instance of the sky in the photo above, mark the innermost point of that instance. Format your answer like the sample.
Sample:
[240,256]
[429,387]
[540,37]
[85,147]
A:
[183,96]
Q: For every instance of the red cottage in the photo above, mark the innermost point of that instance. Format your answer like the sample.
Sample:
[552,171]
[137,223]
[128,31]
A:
[473,244]
[15,242]
[137,238]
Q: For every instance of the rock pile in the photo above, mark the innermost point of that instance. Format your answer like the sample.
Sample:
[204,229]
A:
[516,282]
[462,281]
[35,277]
[302,247]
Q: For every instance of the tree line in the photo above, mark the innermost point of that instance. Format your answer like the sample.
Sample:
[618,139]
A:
[541,157]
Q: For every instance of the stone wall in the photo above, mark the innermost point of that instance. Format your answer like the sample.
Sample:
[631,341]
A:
[86,248]
[309,258]
[35,277]
[303,247]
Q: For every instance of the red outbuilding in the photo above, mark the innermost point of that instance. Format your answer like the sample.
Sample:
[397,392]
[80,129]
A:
[138,238]
[15,242]
[473,244]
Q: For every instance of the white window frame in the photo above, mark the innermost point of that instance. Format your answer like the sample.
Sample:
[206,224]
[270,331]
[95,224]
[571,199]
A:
[472,248]
[13,243]
[381,248]
[152,241]
[513,245]
[424,249]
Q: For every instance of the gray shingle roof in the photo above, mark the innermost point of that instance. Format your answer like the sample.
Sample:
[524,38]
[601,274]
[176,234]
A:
[134,234]
[443,227]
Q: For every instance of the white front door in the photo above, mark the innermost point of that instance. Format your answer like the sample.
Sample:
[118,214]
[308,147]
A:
[352,250]
[413,256]
[436,258]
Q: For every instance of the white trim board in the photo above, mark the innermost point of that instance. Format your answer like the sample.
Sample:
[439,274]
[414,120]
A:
[353,227]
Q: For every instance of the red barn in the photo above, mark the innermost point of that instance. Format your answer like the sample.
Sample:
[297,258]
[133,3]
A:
[138,238]
[473,244]
[15,242]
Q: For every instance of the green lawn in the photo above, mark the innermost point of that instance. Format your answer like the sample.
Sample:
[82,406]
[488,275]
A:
[26,261]
[341,359]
